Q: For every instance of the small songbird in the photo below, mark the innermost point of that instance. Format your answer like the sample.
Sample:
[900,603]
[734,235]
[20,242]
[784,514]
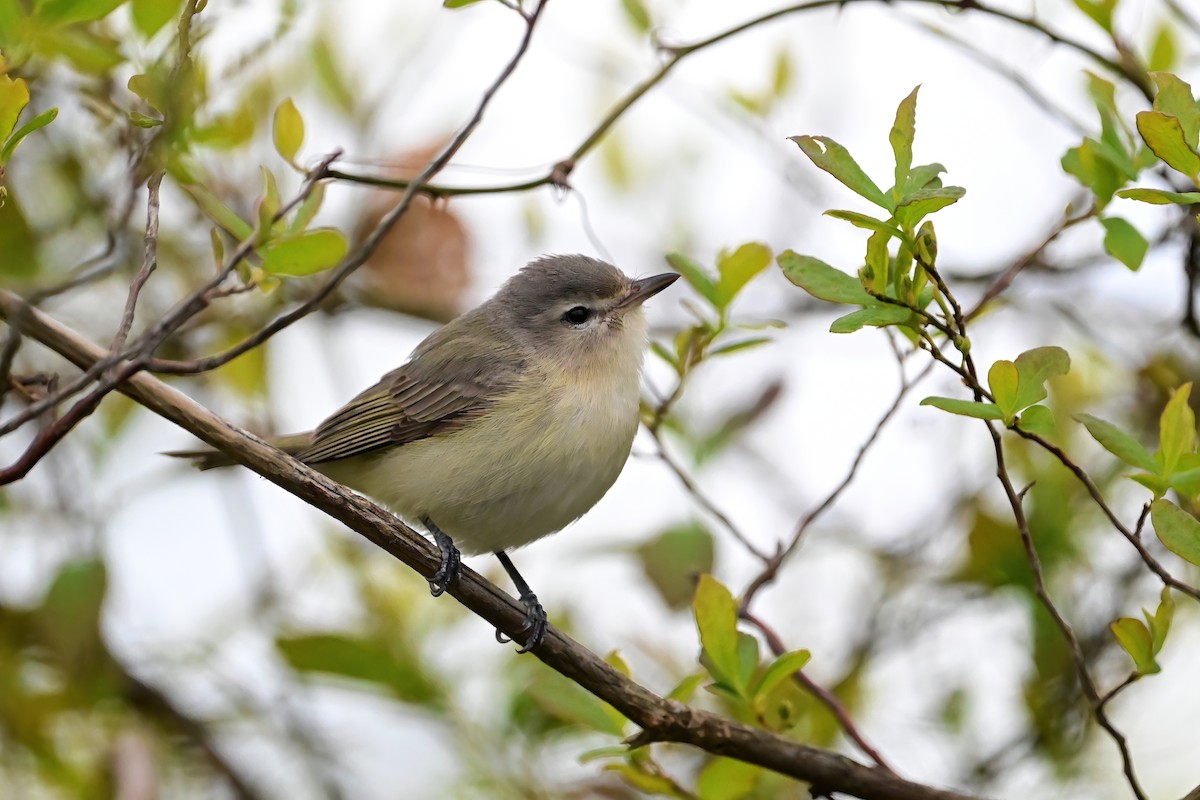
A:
[505,425]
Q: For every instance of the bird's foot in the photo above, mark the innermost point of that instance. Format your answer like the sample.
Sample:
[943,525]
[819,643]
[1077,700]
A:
[535,623]
[448,568]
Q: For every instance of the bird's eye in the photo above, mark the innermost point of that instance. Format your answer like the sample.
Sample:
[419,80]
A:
[576,316]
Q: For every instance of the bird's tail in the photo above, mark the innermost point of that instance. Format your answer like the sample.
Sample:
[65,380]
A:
[213,459]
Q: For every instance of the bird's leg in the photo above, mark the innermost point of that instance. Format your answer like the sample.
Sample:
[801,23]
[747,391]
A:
[535,615]
[447,570]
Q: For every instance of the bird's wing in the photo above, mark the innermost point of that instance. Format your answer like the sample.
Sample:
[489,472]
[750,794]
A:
[426,396]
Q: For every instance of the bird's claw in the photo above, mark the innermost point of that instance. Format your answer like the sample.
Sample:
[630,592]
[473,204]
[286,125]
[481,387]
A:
[449,566]
[535,622]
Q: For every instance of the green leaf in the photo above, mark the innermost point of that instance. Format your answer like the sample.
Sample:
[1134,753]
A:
[144,121]
[716,619]
[920,204]
[150,15]
[1135,639]
[1160,621]
[904,130]
[567,701]
[1118,442]
[738,268]
[694,274]
[1037,419]
[1164,135]
[744,344]
[40,121]
[727,779]
[687,687]
[218,212]
[876,316]
[1174,97]
[869,223]
[1176,429]
[821,280]
[1163,50]
[1123,242]
[310,252]
[68,12]
[830,156]
[458,3]
[1186,481]
[1094,169]
[672,560]
[1100,11]
[1035,367]
[1002,380]
[360,659]
[780,670]
[611,751]
[636,14]
[14,96]
[965,408]
[288,130]
[923,177]
[308,209]
[1159,197]
[1177,530]
[69,615]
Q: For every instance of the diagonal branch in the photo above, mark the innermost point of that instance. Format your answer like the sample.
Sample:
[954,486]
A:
[661,719]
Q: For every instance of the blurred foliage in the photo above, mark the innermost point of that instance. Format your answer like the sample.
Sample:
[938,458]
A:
[140,93]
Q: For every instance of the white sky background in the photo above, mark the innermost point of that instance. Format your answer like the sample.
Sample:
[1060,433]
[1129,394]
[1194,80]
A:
[707,179]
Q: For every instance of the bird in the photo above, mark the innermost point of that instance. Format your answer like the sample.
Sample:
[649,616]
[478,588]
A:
[505,425]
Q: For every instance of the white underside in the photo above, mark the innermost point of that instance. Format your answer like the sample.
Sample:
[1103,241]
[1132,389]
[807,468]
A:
[522,471]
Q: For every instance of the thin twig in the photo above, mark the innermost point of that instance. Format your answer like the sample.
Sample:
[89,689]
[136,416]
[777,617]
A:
[702,499]
[783,552]
[149,263]
[1133,537]
[827,698]
[1068,633]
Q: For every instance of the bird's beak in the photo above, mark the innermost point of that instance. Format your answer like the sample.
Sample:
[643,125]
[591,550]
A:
[643,289]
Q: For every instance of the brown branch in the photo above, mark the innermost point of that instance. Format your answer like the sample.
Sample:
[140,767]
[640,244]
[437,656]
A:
[661,720]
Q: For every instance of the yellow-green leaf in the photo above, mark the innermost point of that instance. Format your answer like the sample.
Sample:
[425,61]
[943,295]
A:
[821,280]
[1176,429]
[288,130]
[1124,242]
[1176,529]
[14,96]
[150,15]
[830,156]
[1164,135]
[1003,379]
[904,130]
[1119,443]
[738,268]
[310,252]
[1135,639]
[716,619]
